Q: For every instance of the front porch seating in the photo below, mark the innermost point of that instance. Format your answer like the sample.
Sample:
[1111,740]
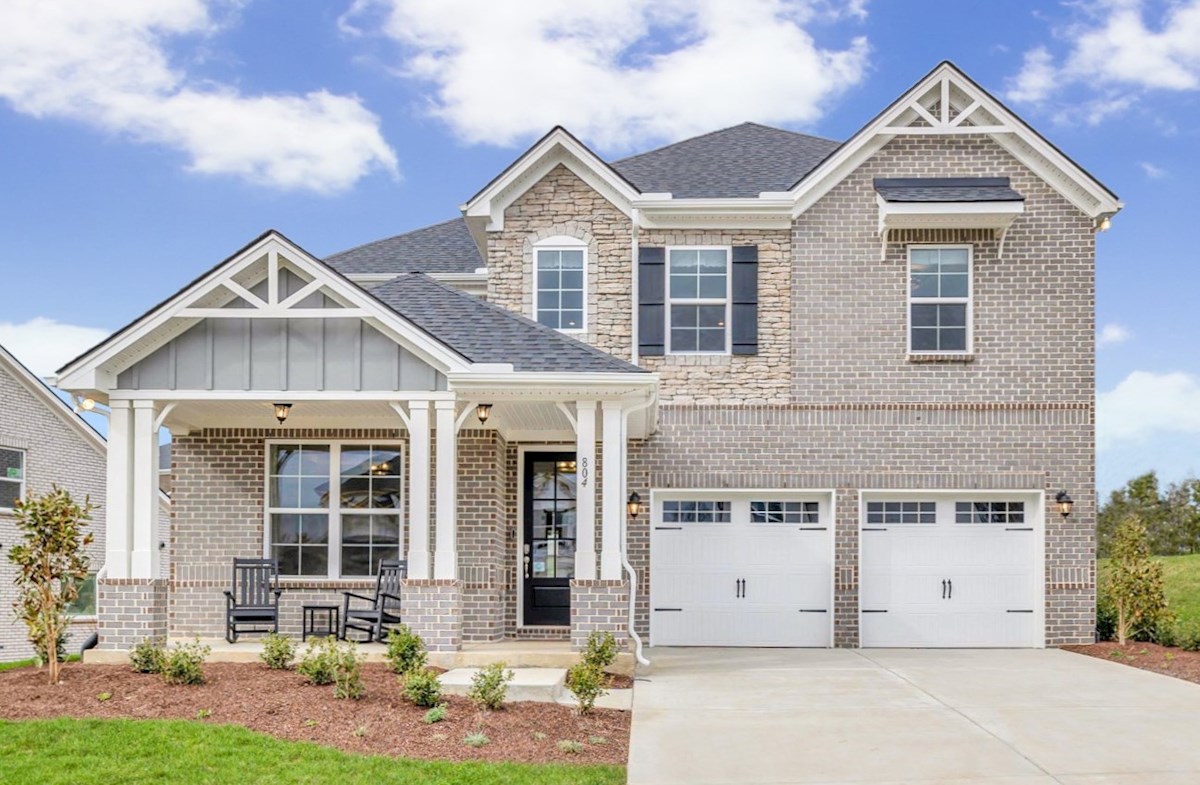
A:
[254,599]
[384,609]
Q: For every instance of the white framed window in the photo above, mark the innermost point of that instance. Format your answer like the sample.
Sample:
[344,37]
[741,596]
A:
[1010,512]
[560,283]
[12,477]
[698,300]
[901,512]
[696,511]
[939,299]
[334,509]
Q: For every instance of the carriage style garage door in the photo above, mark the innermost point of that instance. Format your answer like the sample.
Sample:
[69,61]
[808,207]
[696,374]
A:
[740,569]
[941,570]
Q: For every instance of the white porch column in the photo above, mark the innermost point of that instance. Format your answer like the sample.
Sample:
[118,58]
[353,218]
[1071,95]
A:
[418,489]
[585,500]
[144,560]
[613,503]
[445,559]
[118,500]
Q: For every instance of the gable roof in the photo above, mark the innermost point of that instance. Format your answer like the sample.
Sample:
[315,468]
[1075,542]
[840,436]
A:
[445,247]
[946,189]
[46,394]
[738,162]
[484,332]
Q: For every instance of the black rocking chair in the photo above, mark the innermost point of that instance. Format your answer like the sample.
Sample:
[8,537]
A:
[254,600]
[384,610]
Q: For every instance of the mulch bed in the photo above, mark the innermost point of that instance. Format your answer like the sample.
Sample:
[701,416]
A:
[282,704]
[1147,656]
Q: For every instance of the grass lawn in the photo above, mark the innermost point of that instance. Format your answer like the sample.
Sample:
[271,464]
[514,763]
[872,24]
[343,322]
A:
[1182,577]
[11,666]
[101,752]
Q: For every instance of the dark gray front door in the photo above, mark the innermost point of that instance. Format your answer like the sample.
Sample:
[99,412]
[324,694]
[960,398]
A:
[549,553]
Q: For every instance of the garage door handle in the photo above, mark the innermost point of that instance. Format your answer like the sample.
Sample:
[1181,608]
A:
[950,594]
[943,588]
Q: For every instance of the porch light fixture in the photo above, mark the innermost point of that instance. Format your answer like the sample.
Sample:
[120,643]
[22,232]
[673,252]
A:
[1065,503]
[87,404]
[483,411]
[281,411]
[634,505]
[1104,224]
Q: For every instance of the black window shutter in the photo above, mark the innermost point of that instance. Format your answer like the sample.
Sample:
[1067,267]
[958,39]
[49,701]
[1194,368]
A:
[652,309]
[745,299]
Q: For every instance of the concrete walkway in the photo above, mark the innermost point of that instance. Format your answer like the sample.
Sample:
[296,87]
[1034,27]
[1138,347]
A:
[758,716]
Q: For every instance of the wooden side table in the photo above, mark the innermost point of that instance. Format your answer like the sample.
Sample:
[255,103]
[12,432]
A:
[329,615]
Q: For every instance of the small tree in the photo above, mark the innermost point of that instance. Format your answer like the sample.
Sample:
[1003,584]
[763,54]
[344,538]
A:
[1135,581]
[51,561]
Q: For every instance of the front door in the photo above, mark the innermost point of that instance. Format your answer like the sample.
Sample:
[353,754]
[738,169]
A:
[548,560]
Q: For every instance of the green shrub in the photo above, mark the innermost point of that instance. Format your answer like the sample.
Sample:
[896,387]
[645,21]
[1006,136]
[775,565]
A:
[587,682]
[319,663]
[278,651]
[489,686]
[422,687]
[1187,636]
[1106,615]
[182,663]
[598,741]
[1135,581]
[436,714]
[476,739]
[569,746]
[147,656]
[405,650]
[347,672]
[600,650]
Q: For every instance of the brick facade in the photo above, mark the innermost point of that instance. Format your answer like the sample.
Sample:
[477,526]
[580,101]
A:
[131,610]
[434,610]
[599,606]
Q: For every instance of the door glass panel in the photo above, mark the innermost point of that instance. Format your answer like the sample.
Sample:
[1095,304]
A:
[552,527]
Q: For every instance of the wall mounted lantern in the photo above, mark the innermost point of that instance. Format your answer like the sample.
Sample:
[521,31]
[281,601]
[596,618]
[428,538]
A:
[1065,503]
[281,412]
[483,411]
[634,505]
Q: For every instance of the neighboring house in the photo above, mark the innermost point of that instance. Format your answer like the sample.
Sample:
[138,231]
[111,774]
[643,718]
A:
[846,381]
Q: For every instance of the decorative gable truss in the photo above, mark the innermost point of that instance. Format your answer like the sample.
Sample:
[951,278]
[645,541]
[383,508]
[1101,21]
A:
[271,279]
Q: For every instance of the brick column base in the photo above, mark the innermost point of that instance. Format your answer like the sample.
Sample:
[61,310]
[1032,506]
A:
[130,610]
[602,606]
[433,609]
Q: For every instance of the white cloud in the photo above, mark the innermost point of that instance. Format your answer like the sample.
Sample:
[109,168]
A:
[1146,405]
[1112,333]
[1114,52]
[619,73]
[106,63]
[1152,171]
[45,345]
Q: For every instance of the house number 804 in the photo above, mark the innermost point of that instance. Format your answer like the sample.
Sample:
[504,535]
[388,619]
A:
[584,474]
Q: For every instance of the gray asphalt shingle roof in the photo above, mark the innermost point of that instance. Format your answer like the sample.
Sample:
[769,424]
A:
[486,333]
[947,189]
[445,247]
[742,161]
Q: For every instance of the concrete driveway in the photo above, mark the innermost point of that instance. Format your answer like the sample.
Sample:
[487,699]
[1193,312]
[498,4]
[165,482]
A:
[750,716]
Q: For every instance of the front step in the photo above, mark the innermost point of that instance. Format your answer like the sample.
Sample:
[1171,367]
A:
[543,685]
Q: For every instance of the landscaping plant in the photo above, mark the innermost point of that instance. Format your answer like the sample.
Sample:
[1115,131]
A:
[1135,581]
[278,651]
[319,663]
[147,656]
[476,739]
[405,650]
[347,674]
[51,562]
[436,714]
[182,663]
[587,682]
[570,746]
[489,686]
[600,649]
[422,687]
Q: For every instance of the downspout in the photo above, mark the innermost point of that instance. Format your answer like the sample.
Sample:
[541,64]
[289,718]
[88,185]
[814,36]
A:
[630,626]
[633,287]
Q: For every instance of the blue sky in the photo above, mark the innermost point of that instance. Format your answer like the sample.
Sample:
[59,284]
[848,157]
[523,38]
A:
[142,141]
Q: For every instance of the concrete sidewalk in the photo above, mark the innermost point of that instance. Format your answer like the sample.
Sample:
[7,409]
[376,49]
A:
[1034,717]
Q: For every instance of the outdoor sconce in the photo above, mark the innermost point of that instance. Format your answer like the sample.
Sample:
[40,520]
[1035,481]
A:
[87,404]
[281,411]
[634,505]
[483,411]
[1065,503]
[1104,224]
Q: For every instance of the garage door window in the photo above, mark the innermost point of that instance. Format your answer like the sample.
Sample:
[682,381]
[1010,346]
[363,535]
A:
[696,512]
[989,512]
[901,512]
[784,512]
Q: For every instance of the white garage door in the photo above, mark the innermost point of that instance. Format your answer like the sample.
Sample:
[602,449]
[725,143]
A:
[740,569]
[951,571]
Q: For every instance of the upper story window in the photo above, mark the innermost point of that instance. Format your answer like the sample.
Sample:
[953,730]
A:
[334,510]
[560,283]
[12,477]
[698,300]
[939,301]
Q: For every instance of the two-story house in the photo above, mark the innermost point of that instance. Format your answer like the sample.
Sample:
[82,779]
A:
[752,388]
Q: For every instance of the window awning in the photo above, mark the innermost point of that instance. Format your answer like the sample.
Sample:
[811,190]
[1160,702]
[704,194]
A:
[947,203]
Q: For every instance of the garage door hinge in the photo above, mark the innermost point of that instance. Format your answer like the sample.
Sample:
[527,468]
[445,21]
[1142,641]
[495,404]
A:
[657,610]
[668,528]
[1021,611]
[813,610]
[865,610]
